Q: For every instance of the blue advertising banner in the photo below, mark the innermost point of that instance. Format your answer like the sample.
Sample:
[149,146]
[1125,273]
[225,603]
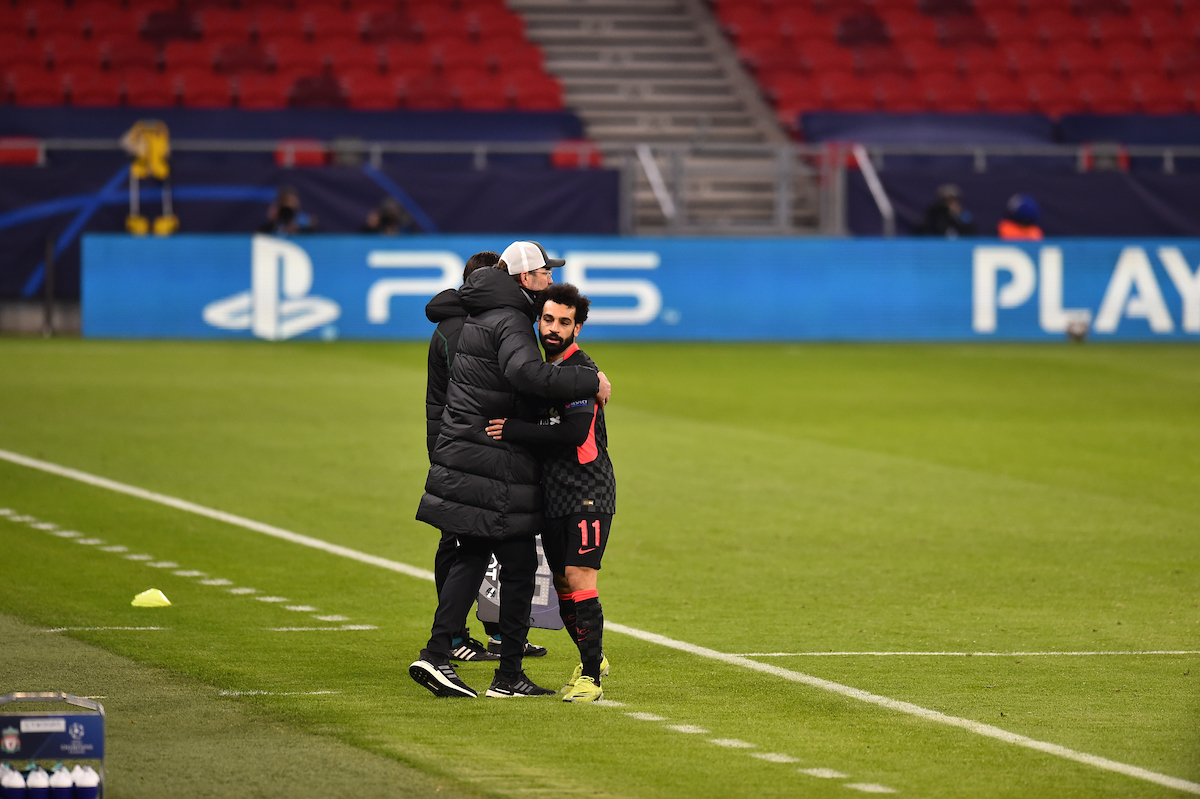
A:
[644,288]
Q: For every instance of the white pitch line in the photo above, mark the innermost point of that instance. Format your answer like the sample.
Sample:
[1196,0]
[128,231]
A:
[93,629]
[966,654]
[217,515]
[276,693]
[986,730]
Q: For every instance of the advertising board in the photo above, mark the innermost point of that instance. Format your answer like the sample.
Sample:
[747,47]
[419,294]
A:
[653,289]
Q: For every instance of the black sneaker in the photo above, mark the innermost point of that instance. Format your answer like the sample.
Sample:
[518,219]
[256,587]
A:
[531,650]
[471,651]
[440,678]
[503,687]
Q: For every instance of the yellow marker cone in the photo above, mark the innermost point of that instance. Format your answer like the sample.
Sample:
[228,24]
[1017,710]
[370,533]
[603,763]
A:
[151,599]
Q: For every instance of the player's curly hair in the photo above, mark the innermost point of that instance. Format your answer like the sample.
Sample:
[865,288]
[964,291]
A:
[566,294]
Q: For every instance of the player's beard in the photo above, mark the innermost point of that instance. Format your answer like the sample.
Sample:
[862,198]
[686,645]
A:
[556,346]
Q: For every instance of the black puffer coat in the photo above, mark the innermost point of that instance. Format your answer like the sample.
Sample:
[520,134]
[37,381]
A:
[445,309]
[478,486]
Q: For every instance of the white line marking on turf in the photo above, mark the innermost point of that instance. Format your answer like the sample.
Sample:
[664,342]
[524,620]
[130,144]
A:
[334,617]
[188,573]
[285,599]
[688,729]
[276,693]
[869,787]
[217,515]
[114,548]
[89,542]
[775,757]
[824,773]
[986,730]
[139,557]
[608,703]
[93,629]
[68,534]
[241,591]
[732,743]
[216,581]
[645,717]
[48,526]
[164,564]
[342,628]
[301,608]
[967,654]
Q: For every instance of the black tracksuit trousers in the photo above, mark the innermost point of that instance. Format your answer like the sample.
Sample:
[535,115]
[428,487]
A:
[518,566]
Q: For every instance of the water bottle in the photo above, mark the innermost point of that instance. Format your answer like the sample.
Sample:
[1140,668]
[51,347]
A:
[86,783]
[13,784]
[61,784]
[37,784]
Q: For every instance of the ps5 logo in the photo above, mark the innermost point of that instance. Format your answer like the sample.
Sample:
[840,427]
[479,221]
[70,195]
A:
[278,305]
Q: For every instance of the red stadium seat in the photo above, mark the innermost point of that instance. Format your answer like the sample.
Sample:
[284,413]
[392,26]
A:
[407,57]
[426,93]
[1107,31]
[880,61]
[748,23]
[999,93]
[533,90]
[799,22]
[842,8]
[341,54]
[909,26]
[34,86]
[1125,58]
[367,90]
[324,21]
[189,55]
[16,20]
[272,24]
[102,20]
[1153,94]
[460,56]
[865,30]
[1049,94]
[75,54]
[897,93]
[317,91]
[489,21]
[16,49]
[264,92]
[149,89]
[95,90]
[507,55]
[767,58]
[225,25]
[166,24]
[822,54]
[1161,28]
[964,31]
[384,26]
[123,54]
[946,92]
[922,56]
[946,8]
[1100,94]
[1096,8]
[1025,57]
[1078,57]
[1009,27]
[203,89]
[1183,61]
[246,57]
[477,90]
[978,60]
[1053,27]
[433,22]
[55,21]
[845,91]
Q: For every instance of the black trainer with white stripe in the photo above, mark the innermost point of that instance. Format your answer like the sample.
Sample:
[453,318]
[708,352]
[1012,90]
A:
[506,687]
[440,678]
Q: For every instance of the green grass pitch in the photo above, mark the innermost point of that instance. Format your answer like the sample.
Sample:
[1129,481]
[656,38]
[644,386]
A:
[775,501]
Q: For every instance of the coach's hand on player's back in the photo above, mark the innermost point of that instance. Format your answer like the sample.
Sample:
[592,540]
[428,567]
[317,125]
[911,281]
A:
[605,390]
[495,428]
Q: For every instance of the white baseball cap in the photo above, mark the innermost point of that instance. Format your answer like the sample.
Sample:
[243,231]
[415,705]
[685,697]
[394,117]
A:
[526,256]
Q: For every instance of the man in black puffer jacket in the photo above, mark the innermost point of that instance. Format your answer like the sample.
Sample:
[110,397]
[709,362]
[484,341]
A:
[484,492]
[447,311]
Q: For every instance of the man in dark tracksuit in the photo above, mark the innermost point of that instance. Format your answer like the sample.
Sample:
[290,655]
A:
[447,311]
[488,493]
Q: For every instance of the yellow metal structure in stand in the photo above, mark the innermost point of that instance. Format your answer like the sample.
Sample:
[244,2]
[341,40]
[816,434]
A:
[149,142]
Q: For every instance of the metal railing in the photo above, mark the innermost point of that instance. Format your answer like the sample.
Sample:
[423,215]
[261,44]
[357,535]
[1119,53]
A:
[795,188]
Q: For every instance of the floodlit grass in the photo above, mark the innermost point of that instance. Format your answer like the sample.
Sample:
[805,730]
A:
[772,499]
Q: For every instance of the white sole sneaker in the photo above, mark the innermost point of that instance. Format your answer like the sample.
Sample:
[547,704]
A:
[440,680]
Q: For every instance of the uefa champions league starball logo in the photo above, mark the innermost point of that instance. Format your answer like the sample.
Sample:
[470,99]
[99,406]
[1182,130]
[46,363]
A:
[76,731]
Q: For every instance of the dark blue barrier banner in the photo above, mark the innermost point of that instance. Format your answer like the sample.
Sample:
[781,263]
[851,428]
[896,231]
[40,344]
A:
[653,288]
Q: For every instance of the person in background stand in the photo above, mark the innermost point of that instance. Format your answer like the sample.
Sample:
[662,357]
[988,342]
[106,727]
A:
[390,219]
[285,217]
[947,217]
[1020,222]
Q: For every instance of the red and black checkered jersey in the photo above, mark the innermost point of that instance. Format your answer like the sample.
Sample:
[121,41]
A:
[579,479]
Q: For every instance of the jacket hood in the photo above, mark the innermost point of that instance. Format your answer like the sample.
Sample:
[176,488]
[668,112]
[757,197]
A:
[444,306]
[488,289]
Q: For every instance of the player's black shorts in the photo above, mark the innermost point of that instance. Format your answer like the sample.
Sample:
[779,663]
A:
[576,540]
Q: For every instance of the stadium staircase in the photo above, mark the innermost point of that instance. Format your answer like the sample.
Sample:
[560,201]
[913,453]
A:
[661,72]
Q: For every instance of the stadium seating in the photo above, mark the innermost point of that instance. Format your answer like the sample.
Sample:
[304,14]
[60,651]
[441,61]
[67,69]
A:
[1052,56]
[271,53]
